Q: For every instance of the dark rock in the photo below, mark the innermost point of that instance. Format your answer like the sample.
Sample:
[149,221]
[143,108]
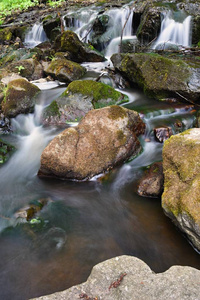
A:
[162,133]
[161,77]
[79,52]
[19,97]
[49,25]
[103,139]
[151,185]
[5,149]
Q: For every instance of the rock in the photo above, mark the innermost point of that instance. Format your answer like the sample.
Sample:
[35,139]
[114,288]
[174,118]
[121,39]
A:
[19,98]
[5,149]
[160,77]
[103,139]
[180,199]
[49,24]
[79,98]
[150,23]
[162,133]
[79,52]
[129,278]
[151,185]
[31,69]
[64,70]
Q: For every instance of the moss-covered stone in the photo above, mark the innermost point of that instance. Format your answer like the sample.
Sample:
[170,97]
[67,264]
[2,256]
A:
[101,94]
[19,97]
[5,34]
[181,197]
[64,70]
[77,51]
[160,77]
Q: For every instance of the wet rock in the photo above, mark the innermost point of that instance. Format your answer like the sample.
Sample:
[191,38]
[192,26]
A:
[149,26]
[127,277]
[162,133]
[79,52]
[79,98]
[9,55]
[103,139]
[5,148]
[151,185]
[180,199]
[19,97]
[31,69]
[161,77]
[49,25]
[64,70]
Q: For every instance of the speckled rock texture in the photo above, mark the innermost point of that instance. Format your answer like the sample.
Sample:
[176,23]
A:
[103,139]
[181,197]
[129,278]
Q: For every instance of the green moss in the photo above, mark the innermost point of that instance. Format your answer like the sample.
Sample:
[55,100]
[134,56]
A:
[97,91]
[121,137]
[116,112]
[5,34]
[52,110]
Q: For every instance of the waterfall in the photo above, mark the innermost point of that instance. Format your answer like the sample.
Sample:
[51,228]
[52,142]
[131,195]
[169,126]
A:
[35,36]
[119,19]
[174,32]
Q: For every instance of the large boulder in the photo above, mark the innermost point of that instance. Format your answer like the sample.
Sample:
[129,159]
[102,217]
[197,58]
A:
[129,278]
[77,51]
[181,197]
[19,98]
[78,99]
[161,77]
[103,139]
[64,70]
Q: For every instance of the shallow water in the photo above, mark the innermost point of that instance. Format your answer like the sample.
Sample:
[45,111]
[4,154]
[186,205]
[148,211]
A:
[84,222]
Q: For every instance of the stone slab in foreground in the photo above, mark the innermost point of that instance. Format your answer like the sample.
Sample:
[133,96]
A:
[108,281]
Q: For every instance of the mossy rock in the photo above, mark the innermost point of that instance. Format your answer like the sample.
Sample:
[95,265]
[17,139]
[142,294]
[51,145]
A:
[64,70]
[11,55]
[30,68]
[80,97]
[79,52]
[6,35]
[181,197]
[160,77]
[19,98]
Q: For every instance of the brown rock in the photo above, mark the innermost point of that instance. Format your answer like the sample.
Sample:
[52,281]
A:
[151,185]
[162,133]
[103,139]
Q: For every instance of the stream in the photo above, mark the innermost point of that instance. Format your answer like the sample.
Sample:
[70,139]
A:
[83,223]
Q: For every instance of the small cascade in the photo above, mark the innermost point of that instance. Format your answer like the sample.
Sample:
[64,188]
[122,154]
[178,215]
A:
[119,22]
[174,32]
[35,36]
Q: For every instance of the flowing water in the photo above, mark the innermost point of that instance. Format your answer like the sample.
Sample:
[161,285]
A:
[83,223]
[175,29]
[35,36]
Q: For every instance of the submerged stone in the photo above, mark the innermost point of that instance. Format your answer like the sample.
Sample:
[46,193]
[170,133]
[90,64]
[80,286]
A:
[181,197]
[103,139]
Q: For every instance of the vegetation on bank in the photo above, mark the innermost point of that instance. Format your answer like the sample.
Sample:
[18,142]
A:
[8,6]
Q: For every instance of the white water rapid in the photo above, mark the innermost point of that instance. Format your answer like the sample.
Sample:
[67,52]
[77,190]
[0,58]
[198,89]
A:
[174,32]
[35,36]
